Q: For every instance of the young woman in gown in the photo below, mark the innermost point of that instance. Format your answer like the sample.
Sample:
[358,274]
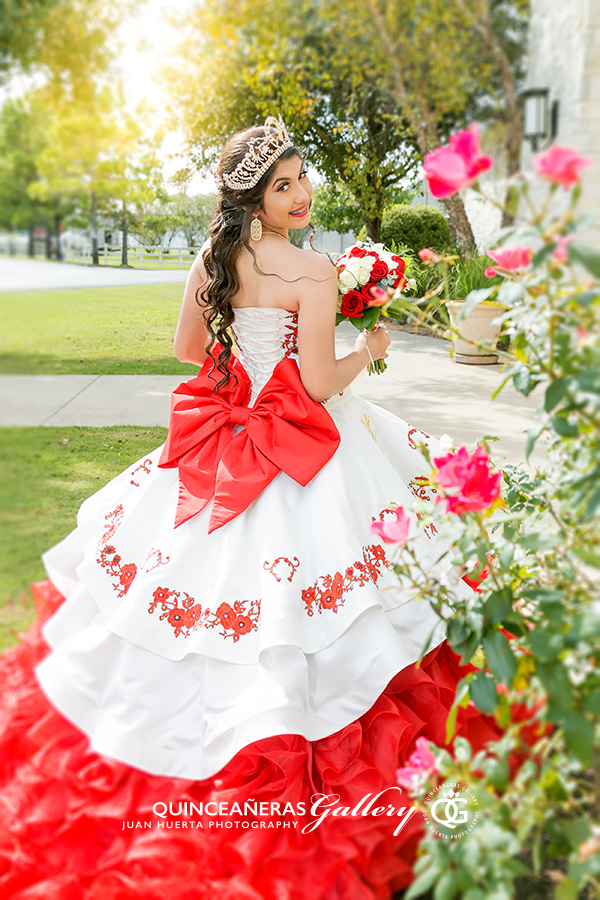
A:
[222,631]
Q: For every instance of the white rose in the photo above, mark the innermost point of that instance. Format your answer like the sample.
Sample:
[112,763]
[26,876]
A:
[347,279]
[446,443]
[377,247]
[363,272]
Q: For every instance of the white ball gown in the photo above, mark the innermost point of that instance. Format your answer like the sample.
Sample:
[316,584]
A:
[221,640]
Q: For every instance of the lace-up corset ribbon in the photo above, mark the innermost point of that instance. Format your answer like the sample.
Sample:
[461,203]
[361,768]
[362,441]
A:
[284,430]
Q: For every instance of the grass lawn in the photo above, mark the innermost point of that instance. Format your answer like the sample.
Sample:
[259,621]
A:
[108,331]
[42,486]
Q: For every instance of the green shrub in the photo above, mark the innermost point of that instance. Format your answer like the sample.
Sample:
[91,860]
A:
[415,226]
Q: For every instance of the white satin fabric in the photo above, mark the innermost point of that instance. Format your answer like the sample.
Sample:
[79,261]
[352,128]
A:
[176,648]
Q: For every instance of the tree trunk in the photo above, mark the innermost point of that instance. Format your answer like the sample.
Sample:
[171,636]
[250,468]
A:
[95,259]
[124,232]
[373,227]
[57,231]
[423,123]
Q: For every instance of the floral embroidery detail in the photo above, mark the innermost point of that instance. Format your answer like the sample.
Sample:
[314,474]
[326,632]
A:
[113,519]
[158,560]
[386,513]
[124,575]
[146,468]
[411,440]
[293,564]
[289,343]
[185,616]
[328,591]
[422,487]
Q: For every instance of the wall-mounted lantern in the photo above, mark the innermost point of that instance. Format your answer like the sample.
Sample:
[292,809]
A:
[540,121]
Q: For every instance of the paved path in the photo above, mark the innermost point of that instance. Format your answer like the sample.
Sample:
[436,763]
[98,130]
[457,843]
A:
[31,275]
[422,385]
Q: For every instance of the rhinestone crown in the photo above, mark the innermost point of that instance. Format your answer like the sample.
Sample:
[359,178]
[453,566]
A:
[260,156]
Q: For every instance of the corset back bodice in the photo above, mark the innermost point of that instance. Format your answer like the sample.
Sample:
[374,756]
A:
[264,335]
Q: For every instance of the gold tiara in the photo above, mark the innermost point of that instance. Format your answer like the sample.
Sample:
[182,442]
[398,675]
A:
[260,156]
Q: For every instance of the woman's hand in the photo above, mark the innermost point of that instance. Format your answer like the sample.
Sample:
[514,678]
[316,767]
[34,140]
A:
[377,341]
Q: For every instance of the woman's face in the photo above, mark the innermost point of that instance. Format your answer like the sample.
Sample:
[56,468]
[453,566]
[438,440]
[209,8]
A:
[286,201]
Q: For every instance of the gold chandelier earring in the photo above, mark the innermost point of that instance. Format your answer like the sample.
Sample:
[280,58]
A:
[256,229]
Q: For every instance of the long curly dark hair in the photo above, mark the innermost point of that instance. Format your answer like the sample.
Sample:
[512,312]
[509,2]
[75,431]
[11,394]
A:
[229,233]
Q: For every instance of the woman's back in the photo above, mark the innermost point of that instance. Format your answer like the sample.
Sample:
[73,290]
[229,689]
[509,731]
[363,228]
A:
[287,274]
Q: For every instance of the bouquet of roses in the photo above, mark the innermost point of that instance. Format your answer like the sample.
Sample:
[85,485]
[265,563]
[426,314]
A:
[367,273]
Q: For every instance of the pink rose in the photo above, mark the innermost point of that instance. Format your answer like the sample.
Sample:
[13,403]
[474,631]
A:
[420,762]
[490,272]
[467,475]
[561,165]
[560,254]
[457,165]
[428,255]
[376,296]
[393,532]
[510,258]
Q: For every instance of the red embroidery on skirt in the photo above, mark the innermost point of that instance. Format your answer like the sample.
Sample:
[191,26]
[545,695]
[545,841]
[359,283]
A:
[158,560]
[289,343]
[145,466]
[412,442]
[124,574]
[186,616]
[422,487]
[113,519]
[428,530]
[292,564]
[328,590]
[382,514]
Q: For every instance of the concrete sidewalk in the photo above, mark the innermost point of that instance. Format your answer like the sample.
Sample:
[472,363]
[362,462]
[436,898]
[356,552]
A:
[422,385]
[38,275]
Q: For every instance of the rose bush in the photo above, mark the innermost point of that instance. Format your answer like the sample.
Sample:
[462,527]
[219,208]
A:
[528,541]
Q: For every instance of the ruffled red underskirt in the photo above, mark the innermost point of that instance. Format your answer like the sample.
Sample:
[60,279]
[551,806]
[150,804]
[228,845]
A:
[63,807]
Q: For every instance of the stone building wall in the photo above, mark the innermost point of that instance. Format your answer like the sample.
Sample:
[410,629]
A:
[564,56]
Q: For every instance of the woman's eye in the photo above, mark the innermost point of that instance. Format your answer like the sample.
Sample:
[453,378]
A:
[304,172]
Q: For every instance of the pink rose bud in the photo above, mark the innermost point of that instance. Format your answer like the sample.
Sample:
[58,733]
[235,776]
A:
[490,272]
[511,258]
[561,165]
[467,480]
[378,296]
[560,254]
[457,165]
[393,531]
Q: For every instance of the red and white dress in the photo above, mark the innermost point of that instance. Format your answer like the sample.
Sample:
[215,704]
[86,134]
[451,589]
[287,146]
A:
[222,627]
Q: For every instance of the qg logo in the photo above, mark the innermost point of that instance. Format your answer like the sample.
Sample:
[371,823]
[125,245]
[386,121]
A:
[452,811]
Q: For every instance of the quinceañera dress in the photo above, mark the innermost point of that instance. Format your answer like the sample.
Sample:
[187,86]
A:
[224,641]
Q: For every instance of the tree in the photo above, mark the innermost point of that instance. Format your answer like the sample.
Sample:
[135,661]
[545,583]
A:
[66,40]
[338,105]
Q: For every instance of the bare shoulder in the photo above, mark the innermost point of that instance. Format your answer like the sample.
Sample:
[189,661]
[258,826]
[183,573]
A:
[198,263]
[317,265]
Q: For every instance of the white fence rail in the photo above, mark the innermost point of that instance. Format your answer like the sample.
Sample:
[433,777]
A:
[138,257]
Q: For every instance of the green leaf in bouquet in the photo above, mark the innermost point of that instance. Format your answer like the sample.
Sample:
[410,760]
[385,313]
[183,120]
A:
[369,318]
[340,317]
[586,256]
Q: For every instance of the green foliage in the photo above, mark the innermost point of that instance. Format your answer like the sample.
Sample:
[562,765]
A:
[335,209]
[416,226]
[535,618]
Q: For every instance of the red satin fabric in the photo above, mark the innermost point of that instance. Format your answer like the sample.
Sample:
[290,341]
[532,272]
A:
[62,806]
[285,430]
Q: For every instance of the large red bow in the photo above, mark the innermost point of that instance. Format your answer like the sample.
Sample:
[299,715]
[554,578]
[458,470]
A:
[285,430]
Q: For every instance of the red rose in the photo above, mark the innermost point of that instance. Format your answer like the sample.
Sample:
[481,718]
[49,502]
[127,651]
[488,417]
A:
[353,305]
[400,282]
[379,270]
[358,251]
[400,264]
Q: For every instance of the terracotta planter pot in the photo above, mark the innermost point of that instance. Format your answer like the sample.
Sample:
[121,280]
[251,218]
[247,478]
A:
[475,328]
